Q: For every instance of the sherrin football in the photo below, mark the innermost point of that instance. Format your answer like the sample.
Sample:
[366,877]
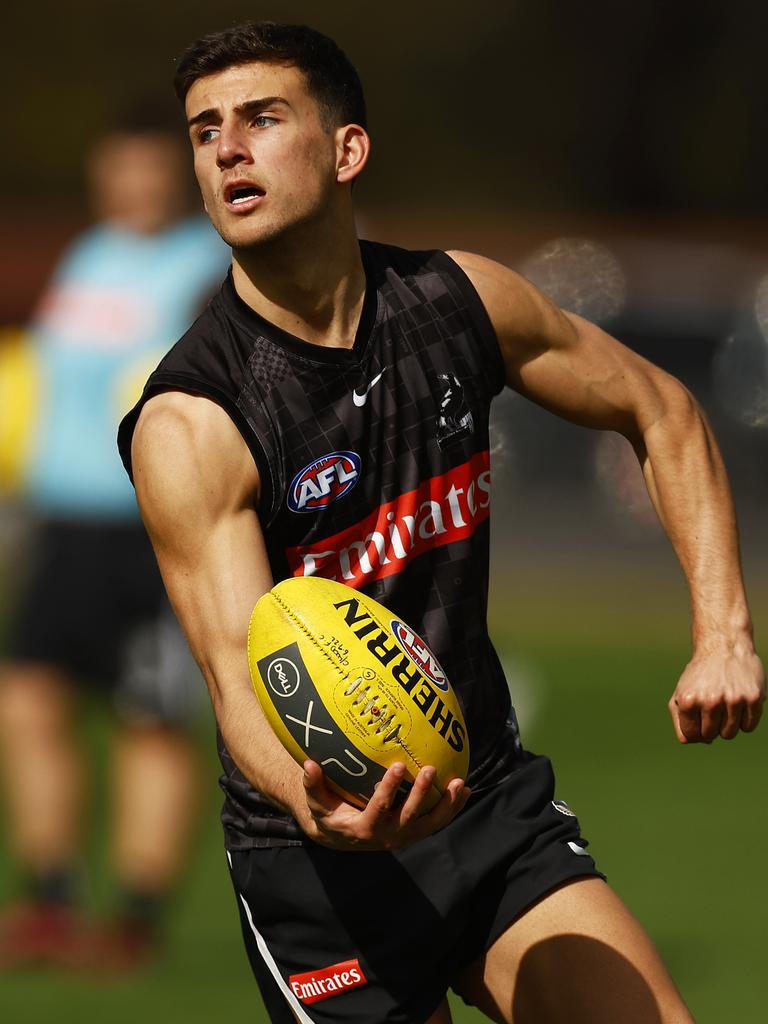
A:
[344,682]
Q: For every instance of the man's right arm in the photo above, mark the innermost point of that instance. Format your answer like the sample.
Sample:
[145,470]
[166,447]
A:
[196,485]
[197,488]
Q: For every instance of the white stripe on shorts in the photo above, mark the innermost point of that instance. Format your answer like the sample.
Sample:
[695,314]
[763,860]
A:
[293,1002]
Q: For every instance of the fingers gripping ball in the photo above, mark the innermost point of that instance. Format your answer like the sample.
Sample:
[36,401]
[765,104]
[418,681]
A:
[346,683]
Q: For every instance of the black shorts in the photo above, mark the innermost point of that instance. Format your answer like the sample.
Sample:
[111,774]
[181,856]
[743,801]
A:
[93,604]
[360,937]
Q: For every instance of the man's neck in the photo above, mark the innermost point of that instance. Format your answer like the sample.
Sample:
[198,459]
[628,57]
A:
[314,290]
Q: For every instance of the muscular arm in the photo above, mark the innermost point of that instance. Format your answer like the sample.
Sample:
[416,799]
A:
[196,485]
[576,370]
[197,488]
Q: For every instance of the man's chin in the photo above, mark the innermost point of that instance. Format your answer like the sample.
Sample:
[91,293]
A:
[243,237]
[255,232]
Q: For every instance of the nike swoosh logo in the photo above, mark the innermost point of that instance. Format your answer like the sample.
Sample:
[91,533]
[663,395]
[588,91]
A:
[360,400]
[578,850]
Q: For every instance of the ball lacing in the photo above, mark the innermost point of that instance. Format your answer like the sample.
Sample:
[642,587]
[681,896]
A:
[377,714]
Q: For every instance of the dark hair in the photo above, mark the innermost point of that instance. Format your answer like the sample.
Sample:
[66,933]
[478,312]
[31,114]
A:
[331,78]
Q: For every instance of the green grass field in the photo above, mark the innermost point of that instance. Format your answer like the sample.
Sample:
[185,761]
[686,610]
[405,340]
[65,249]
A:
[681,832]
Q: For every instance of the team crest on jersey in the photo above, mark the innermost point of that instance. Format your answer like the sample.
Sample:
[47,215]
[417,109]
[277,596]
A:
[420,654]
[324,481]
[455,420]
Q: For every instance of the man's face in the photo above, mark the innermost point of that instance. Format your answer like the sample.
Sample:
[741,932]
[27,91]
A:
[263,158]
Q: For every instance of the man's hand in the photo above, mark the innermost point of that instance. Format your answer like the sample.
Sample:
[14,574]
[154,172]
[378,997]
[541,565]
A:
[383,824]
[719,694]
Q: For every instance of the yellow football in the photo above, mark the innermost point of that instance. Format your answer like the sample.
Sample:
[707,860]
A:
[345,682]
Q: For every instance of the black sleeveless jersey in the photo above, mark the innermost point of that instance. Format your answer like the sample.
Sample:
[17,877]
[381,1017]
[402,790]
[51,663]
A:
[375,471]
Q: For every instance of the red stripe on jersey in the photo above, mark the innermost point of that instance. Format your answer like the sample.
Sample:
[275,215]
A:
[440,511]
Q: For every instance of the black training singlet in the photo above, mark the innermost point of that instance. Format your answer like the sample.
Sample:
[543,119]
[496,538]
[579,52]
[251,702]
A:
[375,471]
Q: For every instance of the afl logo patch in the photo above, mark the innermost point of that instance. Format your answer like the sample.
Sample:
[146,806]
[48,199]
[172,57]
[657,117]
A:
[420,654]
[324,481]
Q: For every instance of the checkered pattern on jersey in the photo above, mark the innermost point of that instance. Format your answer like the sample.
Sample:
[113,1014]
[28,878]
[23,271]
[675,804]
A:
[422,327]
[423,333]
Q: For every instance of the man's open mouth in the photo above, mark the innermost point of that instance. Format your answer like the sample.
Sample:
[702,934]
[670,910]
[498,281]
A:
[242,195]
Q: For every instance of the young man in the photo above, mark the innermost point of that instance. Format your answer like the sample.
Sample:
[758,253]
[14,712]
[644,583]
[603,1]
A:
[319,346]
[93,610]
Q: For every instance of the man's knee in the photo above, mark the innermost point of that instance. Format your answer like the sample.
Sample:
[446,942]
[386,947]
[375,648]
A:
[33,698]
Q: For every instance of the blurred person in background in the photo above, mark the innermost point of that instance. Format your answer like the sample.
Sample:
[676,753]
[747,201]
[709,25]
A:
[92,610]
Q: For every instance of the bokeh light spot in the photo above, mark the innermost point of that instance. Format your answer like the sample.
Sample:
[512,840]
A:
[580,275]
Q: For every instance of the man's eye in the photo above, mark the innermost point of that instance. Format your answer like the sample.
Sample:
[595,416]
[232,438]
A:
[263,121]
[207,134]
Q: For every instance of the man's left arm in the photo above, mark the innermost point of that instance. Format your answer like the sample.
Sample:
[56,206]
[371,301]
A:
[579,372]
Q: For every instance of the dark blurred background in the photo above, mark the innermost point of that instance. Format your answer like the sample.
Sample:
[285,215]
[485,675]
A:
[617,155]
[497,127]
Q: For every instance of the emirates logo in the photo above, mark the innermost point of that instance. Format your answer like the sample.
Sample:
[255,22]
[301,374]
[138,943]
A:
[328,981]
[441,510]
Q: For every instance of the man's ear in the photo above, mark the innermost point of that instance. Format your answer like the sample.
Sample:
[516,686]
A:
[353,146]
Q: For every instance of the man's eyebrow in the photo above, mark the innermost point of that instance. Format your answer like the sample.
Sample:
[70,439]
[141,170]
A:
[263,103]
[211,114]
[249,107]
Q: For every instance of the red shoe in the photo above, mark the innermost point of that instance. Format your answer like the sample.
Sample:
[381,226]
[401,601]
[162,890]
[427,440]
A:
[123,947]
[39,934]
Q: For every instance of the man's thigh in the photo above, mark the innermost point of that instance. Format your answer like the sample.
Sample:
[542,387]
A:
[578,955]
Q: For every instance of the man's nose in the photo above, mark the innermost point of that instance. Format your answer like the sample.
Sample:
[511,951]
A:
[232,147]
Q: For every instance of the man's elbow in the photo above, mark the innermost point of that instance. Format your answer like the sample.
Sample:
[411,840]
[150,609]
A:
[671,410]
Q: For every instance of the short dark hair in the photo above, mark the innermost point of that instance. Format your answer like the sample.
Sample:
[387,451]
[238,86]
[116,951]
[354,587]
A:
[331,78]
